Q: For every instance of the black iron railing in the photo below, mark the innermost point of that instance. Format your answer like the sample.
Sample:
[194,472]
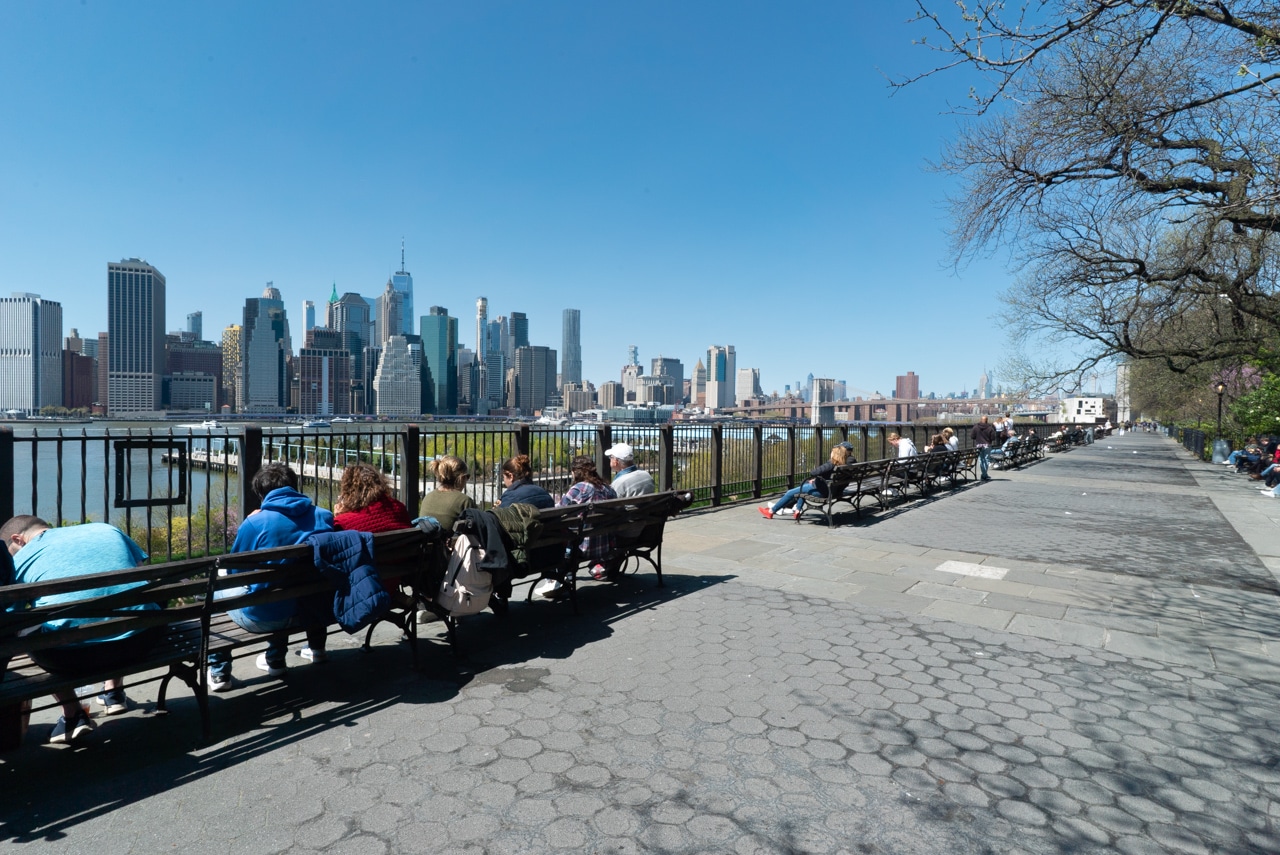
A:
[182,491]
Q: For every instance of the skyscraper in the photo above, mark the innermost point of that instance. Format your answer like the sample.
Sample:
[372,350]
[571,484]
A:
[747,386]
[350,315]
[480,390]
[264,342]
[722,376]
[398,382]
[324,374]
[30,353]
[518,327]
[195,324]
[571,346]
[672,372]
[403,282]
[308,317]
[135,328]
[231,356]
[440,353]
[535,378]
[390,308]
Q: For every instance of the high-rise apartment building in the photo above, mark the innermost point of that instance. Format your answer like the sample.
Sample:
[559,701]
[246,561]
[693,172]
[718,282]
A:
[722,376]
[136,327]
[907,387]
[571,346]
[403,283]
[30,353]
[480,388]
[195,324]
[231,344]
[440,355]
[610,395]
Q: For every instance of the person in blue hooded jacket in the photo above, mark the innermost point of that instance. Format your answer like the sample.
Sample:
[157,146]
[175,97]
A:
[285,517]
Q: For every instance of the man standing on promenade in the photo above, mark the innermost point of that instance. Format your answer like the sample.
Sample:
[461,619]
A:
[44,554]
[628,480]
[984,436]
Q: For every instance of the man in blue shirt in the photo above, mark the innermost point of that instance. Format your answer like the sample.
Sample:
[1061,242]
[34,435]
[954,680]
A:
[44,554]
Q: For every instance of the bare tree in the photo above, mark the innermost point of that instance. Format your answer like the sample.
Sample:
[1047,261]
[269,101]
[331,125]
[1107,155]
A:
[1127,153]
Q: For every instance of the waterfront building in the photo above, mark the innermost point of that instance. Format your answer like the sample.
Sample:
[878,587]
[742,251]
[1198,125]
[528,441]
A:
[30,353]
[398,381]
[189,356]
[907,387]
[79,380]
[135,324]
[231,342]
[403,284]
[193,391]
[535,375]
[440,359]
[195,325]
[571,346]
[722,376]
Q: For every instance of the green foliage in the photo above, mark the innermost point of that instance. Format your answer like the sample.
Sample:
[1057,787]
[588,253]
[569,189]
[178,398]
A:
[1258,411]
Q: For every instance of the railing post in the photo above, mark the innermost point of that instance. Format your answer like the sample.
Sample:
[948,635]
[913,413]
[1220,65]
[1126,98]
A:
[666,457]
[6,472]
[522,439]
[819,440]
[717,456]
[791,457]
[411,470]
[604,441]
[250,462]
[757,474]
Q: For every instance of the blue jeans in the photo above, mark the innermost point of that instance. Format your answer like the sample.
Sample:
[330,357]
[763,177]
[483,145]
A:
[793,496]
[984,459]
[313,614]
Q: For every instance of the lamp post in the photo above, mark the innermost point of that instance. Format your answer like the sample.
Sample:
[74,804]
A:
[1219,387]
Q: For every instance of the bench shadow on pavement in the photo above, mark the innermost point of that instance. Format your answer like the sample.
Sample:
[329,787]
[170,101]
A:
[141,754]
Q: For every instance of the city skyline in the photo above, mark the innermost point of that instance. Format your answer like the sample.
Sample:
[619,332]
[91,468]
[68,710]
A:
[716,173]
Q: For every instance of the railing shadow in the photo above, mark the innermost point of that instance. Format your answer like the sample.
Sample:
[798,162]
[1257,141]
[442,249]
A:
[136,756]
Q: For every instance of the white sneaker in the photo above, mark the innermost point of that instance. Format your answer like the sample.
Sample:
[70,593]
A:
[217,684]
[1268,493]
[261,662]
[317,656]
[548,589]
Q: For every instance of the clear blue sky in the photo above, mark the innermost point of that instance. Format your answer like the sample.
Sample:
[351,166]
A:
[686,174]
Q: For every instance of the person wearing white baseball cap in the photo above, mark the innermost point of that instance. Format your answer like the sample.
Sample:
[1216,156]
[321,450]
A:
[627,479]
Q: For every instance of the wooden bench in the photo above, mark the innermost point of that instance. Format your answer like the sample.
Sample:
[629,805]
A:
[194,622]
[636,524]
[849,483]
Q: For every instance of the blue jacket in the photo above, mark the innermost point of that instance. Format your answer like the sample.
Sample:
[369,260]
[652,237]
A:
[345,558]
[286,518]
[526,492]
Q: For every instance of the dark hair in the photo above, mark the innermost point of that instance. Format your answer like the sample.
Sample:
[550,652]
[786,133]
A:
[584,469]
[518,467]
[273,476]
[362,485]
[19,524]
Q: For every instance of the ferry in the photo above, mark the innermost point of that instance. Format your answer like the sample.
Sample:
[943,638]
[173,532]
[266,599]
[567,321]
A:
[315,423]
[208,424]
[341,420]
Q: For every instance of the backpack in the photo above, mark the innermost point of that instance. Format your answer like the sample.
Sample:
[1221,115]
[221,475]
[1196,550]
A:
[465,588]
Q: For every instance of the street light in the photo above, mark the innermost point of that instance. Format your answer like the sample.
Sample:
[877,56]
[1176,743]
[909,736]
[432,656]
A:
[1219,387]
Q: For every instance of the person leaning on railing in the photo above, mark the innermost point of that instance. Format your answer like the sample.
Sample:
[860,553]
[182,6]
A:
[44,554]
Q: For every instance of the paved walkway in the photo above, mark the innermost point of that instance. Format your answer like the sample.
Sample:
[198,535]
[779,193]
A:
[1077,657]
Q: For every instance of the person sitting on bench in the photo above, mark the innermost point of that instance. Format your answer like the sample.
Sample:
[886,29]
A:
[815,486]
[285,518]
[44,554]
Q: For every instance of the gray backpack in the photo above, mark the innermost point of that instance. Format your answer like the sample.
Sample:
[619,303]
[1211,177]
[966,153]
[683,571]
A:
[465,588]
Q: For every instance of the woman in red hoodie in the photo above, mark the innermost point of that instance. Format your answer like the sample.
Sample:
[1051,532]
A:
[365,502]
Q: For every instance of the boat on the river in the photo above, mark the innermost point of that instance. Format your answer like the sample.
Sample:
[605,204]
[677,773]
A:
[315,423]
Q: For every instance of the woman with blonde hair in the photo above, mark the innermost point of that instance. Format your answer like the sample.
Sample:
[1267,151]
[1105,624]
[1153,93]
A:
[815,486]
[449,499]
[365,501]
[953,441]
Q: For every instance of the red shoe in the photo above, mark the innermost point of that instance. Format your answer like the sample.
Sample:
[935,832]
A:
[766,513]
